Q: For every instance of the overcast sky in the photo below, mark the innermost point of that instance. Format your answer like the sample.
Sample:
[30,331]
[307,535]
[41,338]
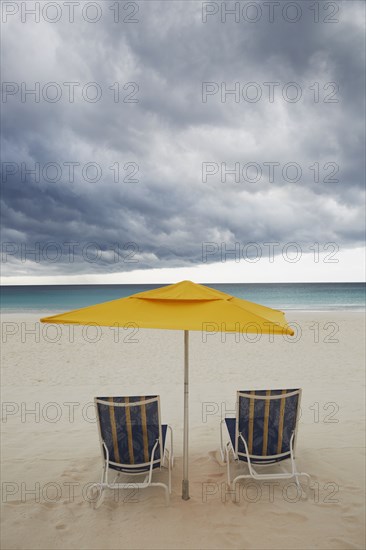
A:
[134,154]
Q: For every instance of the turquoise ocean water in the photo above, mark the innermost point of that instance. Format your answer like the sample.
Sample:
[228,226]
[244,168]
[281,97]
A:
[294,296]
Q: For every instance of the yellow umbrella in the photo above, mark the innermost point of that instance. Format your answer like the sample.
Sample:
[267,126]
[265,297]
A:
[182,306]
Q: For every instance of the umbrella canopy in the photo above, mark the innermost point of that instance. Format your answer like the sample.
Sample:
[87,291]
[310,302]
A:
[182,306]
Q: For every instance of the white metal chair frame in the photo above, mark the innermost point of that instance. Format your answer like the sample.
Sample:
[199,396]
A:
[268,460]
[166,461]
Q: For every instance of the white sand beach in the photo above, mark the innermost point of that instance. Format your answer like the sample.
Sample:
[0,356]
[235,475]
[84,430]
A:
[50,455]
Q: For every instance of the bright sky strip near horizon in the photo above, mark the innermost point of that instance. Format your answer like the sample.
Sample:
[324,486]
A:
[186,164]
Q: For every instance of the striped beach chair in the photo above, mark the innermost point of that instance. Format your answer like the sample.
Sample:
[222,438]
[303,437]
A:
[263,433]
[133,442]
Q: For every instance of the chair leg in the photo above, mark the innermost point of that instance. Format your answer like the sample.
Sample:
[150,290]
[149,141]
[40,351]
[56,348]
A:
[304,492]
[170,474]
[98,488]
[221,443]
[116,478]
[234,495]
[171,447]
[100,498]
[170,451]
[228,467]
[165,487]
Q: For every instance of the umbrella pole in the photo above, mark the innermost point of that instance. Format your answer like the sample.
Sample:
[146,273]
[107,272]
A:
[185,482]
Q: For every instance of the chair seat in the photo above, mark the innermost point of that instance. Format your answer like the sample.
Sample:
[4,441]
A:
[143,469]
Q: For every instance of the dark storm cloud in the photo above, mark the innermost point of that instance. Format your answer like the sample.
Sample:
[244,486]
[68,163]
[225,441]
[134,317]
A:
[170,211]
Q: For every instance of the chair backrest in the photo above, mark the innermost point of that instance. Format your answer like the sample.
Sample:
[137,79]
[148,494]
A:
[129,427]
[266,419]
